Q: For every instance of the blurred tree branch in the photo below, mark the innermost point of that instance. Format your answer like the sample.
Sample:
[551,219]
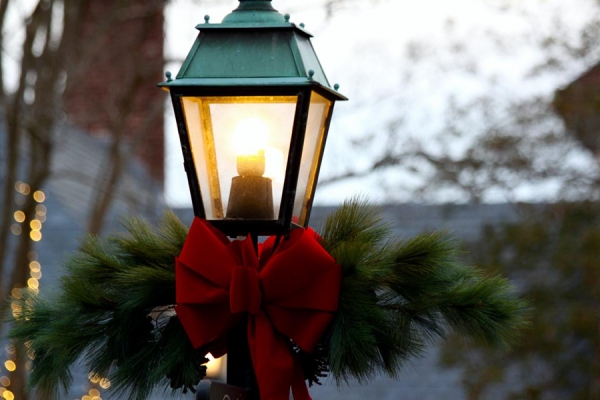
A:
[33,111]
[491,145]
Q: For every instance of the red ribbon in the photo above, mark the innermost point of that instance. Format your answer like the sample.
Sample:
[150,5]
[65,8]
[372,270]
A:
[291,292]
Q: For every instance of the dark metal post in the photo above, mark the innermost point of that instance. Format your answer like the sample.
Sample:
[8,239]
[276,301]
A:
[240,371]
[214,390]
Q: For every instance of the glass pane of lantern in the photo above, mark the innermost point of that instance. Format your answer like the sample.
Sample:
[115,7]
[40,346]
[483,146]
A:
[240,145]
[318,114]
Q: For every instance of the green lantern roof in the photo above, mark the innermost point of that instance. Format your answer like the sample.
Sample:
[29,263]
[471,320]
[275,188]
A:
[254,46]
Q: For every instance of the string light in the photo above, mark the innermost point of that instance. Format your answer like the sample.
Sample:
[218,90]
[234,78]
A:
[30,352]
[10,349]
[39,196]
[35,274]
[19,216]
[33,283]
[22,188]
[40,212]
[10,365]
[104,383]
[35,271]
[17,310]
[35,225]
[36,236]
[93,377]
[5,380]
[94,393]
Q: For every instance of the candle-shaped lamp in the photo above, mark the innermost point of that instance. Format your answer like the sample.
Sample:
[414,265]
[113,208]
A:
[250,139]
[251,195]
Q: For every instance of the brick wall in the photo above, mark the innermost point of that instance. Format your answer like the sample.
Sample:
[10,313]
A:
[578,105]
[111,88]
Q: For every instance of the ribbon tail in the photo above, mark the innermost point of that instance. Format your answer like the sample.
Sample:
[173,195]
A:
[273,361]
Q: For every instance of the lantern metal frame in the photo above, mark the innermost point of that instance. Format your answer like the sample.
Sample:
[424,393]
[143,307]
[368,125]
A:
[283,222]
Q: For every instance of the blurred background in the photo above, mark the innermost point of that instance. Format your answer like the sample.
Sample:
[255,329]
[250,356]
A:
[481,117]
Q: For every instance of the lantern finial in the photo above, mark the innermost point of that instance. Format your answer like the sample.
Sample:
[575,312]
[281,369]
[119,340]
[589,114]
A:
[254,11]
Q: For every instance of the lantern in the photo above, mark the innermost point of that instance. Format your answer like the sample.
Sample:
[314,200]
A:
[253,108]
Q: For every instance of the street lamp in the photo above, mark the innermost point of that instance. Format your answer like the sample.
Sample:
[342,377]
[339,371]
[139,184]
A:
[253,108]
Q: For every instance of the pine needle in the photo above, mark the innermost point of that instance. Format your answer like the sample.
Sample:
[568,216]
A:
[106,314]
[113,309]
[397,296]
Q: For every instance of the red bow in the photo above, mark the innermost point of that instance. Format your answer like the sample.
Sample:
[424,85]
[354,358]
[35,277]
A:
[291,293]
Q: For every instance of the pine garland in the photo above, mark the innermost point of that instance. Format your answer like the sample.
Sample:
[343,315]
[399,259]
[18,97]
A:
[114,307]
[398,296]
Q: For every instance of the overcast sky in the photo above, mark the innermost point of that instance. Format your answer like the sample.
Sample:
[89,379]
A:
[392,58]
[461,49]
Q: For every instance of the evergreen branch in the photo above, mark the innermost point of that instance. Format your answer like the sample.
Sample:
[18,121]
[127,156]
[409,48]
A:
[355,221]
[114,307]
[104,313]
[485,309]
[397,296]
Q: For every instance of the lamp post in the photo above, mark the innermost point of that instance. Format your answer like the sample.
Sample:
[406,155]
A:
[253,108]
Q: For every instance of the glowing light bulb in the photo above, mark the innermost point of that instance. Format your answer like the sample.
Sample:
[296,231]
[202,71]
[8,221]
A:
[250,139]
[93,377]
[213,366]
[251,194]
[19,216]
[10,365]
[39,196]
[274,166]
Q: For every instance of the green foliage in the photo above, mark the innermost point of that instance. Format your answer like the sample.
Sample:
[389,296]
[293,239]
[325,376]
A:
[554,254]
[114,307]
[399,295]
